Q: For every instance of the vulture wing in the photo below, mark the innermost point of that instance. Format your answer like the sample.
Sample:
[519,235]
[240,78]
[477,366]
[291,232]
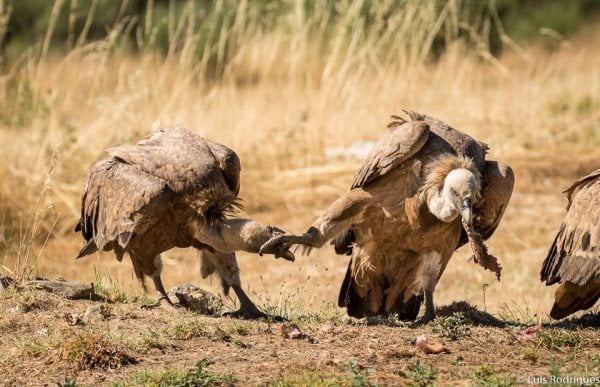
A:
[183,159]
[118,200]
[497,182]
[403,140]
[574,257]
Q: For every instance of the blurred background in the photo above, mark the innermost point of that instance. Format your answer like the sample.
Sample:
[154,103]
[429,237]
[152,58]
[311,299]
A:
[300,89]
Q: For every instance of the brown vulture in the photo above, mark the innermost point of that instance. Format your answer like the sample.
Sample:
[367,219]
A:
[574,258]
[171,189]
[401,219]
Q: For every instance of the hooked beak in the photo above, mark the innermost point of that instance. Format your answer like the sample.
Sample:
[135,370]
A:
[466,211]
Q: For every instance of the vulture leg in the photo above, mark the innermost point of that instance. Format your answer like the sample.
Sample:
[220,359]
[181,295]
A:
[429,308]
[225,266]
[151,268]
[247,308]
[231,235]
[340,215]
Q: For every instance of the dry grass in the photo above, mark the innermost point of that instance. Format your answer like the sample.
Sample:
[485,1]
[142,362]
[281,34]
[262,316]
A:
[285,95]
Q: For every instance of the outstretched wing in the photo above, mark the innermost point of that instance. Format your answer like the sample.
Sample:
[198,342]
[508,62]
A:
[575,254]
[402,141]
[497,182]
[119,200]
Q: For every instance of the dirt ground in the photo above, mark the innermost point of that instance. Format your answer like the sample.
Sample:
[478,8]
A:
[124,344]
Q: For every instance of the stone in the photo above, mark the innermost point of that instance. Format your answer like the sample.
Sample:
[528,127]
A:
[197,299]
[5,282]
[67,289]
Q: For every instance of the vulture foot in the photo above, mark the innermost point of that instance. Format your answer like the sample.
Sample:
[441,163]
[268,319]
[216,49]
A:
[279,246]
[426,319]
[246,314]
[164,303]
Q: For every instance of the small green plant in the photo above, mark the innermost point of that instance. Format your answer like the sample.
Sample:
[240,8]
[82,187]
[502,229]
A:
[111,291]
[555,372]
[358,378]
[28,301]
[186,330]
[68,382]
[313,380]
[530,354]
[150,339]
[485,375]
[195,376]
[238,328]
[35,347]
[420,374]
[108,289]
[554,338]
[454,326]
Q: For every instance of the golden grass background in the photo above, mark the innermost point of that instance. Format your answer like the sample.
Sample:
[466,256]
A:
[286,95]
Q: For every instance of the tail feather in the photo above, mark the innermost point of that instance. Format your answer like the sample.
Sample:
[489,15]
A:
[570,298]
[88,248]
[358,306]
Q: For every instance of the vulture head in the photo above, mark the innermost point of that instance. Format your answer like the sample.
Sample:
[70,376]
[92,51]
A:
[452,188]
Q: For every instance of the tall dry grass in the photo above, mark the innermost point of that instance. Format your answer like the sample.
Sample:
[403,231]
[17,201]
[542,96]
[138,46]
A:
[280,92]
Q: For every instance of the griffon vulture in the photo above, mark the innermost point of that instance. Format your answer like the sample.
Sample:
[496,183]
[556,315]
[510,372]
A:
[574,257]
[401,219]
[171,189]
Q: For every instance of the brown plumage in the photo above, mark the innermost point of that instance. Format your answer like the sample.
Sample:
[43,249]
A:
[574,258]
[401,219]
[171,189]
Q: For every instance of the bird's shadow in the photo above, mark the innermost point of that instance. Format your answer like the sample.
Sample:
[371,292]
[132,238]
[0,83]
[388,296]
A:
[484,319]
[481,318]
[588,320]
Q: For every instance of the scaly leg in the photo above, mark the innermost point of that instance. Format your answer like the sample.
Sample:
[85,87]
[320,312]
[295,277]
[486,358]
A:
[343,213]
[231,235]
[162,297]
[248,309]
[225,266]
[429,308]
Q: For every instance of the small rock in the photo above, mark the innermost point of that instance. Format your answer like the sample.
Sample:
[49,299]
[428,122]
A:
[66,289]
[290,331]
[5,282]
[218,334]
[93,312]
[197,299]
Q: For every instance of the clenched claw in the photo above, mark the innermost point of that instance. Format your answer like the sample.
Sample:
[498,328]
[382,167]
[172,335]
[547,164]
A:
[279,253]
[280,245]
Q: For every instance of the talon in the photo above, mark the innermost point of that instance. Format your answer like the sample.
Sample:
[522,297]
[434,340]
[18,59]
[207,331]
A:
[287,255]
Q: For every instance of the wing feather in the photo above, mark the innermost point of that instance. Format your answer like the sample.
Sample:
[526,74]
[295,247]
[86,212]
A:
[399,144]
[575,253]
[118,201]
[497,181]
[183,159]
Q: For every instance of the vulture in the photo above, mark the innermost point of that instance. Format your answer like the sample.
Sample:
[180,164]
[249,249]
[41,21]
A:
[171,189]
[574,257]
[403,216]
